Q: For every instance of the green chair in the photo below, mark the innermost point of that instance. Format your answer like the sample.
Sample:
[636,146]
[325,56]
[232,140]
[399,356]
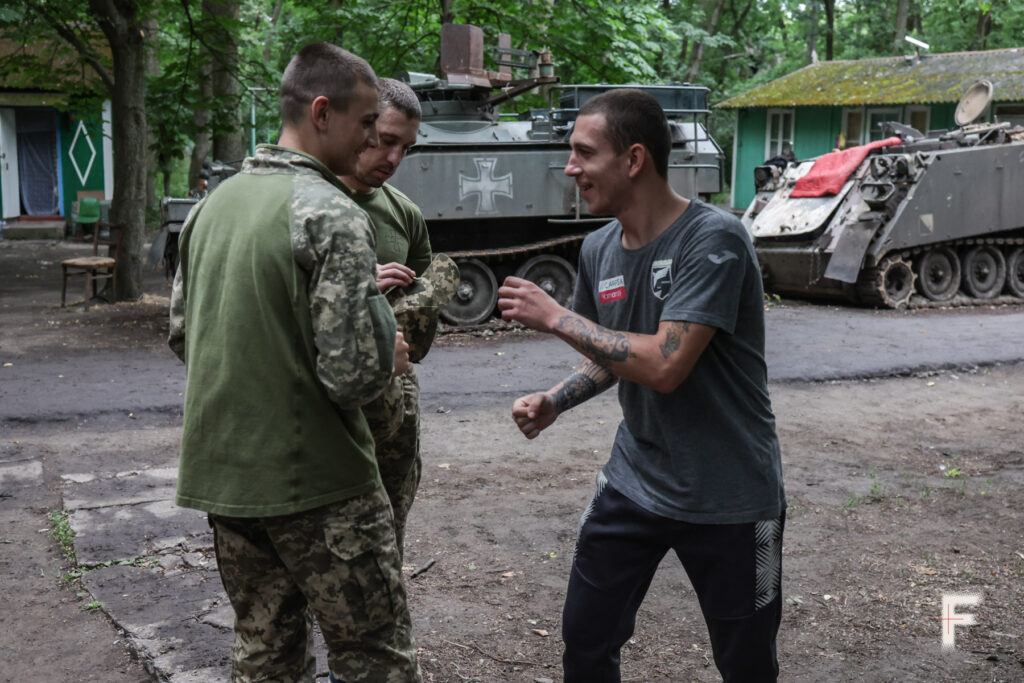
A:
[88,212]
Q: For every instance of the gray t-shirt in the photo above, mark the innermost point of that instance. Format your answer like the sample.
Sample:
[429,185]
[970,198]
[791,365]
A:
[707,453]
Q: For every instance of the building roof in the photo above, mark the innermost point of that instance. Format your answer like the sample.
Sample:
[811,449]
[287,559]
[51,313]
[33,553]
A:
[891,80]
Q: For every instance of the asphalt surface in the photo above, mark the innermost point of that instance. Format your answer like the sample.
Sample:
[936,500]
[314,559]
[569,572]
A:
[804,343]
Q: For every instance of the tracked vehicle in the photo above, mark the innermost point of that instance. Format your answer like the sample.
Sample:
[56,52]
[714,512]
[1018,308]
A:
[934,219]
[492,186]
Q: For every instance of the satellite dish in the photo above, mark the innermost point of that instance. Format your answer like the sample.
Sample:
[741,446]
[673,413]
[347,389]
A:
[973,103]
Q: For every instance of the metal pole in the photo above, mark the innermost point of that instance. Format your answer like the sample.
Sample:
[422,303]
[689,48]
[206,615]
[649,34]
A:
[252,121]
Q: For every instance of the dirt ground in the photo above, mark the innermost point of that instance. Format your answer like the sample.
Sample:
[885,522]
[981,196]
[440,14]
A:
[900,490]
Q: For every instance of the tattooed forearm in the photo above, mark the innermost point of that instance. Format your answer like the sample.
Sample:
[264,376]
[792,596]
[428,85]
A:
[674,337]
[597,343]
[574,391]
[589,380]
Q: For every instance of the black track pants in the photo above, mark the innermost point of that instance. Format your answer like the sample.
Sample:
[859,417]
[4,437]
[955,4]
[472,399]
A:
[735,570]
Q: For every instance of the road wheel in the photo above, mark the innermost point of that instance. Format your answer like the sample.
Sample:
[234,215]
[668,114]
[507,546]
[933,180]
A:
[889,284]
[475,296]
[1015,272]
[938,274]
[984,271]
[553,274]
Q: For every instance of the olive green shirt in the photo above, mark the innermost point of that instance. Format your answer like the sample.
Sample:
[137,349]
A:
[276,313]
[401,231]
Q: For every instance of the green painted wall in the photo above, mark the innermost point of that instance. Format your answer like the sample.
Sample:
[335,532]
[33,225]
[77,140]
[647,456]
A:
[750,132]
[92,128]
[815,132]
[67,126]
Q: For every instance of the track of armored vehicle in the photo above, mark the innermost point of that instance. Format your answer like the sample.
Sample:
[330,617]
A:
[934,220]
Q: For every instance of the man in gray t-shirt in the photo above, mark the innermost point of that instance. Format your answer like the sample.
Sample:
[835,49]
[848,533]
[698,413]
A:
[669,304]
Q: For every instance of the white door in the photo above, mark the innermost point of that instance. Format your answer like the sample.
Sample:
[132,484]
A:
[11,197]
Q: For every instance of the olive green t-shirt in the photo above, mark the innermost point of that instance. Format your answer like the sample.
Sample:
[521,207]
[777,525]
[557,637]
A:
[399,225]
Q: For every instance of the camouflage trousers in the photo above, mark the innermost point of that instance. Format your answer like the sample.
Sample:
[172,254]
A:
[398,458]
[337,563]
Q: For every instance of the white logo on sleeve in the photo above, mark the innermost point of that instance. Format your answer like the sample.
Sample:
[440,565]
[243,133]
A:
[719,259]
[661,277]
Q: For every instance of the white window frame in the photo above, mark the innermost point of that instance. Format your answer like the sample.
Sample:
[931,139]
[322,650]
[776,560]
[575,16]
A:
[863,120]
[768,151]
[913,108]
[894,114]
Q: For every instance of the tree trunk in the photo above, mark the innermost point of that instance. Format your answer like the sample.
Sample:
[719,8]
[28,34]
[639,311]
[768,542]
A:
[698,48]
[983,29]
[812,33]
[830,28]
[151,68]
[222,38]
[119,21]
[902,9]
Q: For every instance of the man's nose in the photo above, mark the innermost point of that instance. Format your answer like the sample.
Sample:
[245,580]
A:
[572,168]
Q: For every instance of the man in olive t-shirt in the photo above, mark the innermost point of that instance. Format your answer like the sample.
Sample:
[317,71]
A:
[403,252]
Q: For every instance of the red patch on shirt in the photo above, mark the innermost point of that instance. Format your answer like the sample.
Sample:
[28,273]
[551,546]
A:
[612,289]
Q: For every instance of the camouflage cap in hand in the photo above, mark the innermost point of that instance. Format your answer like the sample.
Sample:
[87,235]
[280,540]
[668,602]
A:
[417,305]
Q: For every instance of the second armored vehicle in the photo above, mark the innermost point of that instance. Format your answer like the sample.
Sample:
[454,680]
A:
[928,220]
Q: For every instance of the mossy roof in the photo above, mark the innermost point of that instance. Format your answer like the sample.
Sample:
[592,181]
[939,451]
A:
[891,80]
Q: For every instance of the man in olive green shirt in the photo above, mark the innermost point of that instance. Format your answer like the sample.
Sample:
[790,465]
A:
[403,252]
[276,312]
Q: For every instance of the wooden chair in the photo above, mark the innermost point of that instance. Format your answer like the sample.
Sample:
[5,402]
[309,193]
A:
[95,267]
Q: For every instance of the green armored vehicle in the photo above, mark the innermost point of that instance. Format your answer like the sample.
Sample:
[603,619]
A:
[492,186]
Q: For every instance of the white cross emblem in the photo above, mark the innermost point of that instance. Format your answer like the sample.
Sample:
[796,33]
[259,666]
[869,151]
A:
[485,186]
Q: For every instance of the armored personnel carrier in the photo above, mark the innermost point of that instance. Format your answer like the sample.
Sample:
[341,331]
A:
[923,220]
[492,186]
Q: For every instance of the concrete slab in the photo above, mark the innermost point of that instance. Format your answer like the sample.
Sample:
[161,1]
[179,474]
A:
[21,472]
[132,514]
[123,532]
[169,601]
[175,621]
[123,488]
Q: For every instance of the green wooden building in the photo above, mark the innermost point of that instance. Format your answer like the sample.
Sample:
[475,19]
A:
[52,150]
[840,104]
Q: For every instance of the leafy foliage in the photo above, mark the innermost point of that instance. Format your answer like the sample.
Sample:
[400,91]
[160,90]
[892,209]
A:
[727,45]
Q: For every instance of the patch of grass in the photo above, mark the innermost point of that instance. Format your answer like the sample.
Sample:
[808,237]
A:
[771,300]
[877,487]
[853,500]
[63,534]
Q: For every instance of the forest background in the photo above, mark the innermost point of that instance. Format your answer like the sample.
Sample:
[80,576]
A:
[185,76]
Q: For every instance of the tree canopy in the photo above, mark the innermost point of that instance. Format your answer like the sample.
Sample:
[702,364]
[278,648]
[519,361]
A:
[185,75]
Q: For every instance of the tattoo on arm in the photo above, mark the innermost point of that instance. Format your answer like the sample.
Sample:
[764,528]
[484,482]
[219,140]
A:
[589,380]
[600,344]
[674,337]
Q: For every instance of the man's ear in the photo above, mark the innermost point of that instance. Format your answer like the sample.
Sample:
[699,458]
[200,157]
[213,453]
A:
[637,157]
[319,113]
